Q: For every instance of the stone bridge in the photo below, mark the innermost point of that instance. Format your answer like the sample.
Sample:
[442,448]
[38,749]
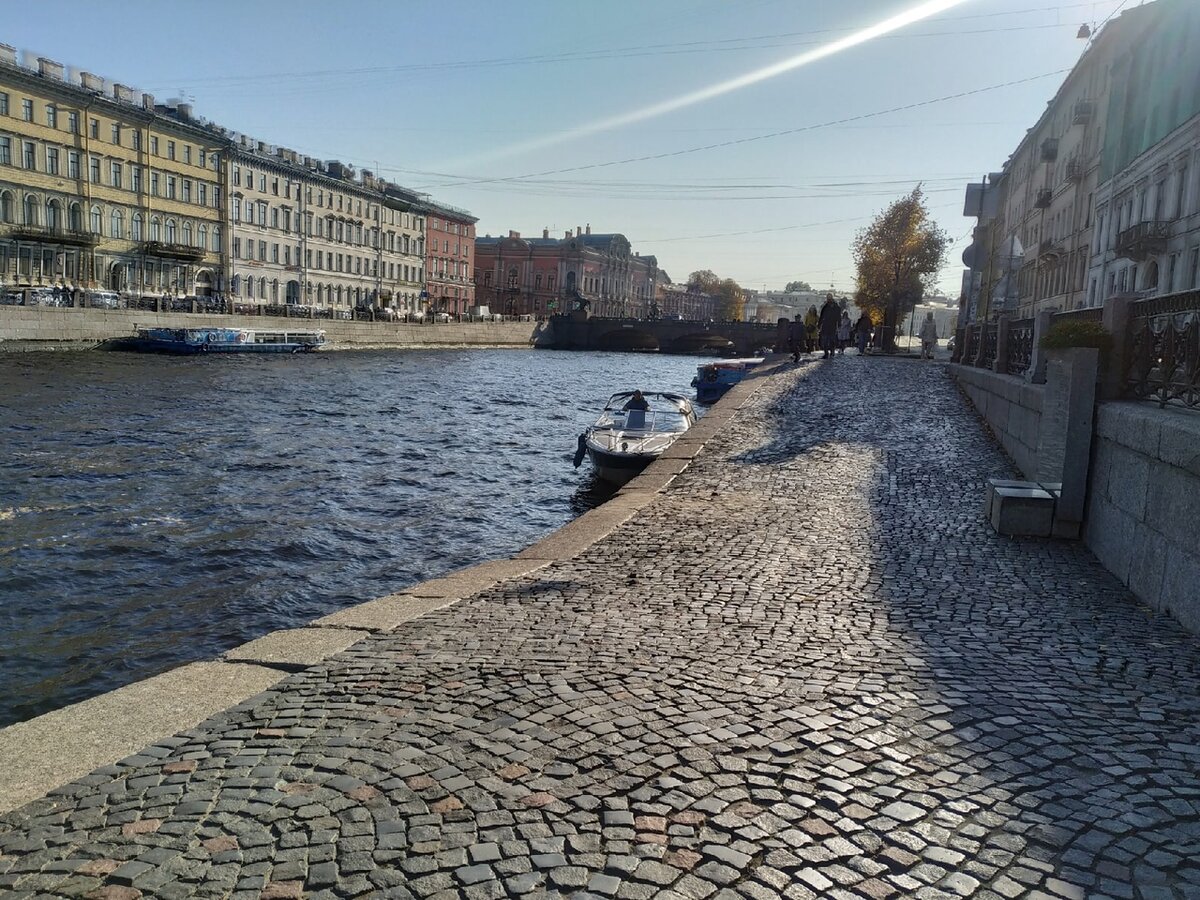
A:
[572,332]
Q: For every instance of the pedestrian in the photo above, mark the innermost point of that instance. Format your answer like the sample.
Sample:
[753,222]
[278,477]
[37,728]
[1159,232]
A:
[797,338]
[928,336]
[862,333]
[828,326]
[810,326]
[843,333]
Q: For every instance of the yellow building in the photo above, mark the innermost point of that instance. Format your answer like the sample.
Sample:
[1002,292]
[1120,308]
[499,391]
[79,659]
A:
[102,189]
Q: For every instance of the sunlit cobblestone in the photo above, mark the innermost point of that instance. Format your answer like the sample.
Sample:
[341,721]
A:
[808,669]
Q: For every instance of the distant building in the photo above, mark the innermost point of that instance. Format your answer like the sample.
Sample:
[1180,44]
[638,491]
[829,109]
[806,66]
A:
[450,259]
[544,276]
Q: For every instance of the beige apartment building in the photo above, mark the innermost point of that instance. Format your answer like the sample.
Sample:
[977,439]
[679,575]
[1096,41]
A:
[102,188]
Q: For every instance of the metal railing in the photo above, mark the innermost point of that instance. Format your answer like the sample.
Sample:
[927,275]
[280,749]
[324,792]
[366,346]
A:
[1163,361]
[988,346]
[1018,349]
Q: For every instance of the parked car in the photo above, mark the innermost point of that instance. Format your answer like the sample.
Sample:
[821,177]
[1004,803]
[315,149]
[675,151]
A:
[441,317]
[105,300]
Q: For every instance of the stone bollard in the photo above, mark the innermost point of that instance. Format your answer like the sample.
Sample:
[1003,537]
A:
[1117,315]
[1036,373]
[1065,437]
[1000,363]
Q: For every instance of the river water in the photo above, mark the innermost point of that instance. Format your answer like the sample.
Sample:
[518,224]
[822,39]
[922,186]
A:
[158,510]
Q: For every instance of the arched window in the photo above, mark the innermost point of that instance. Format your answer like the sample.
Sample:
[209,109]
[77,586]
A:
[274,290]
[235,284]
[31,209]
[512,277]
[135,227]
[202,237]
[97,218]
[155,229]
[250,288]
[187,234]
[6,206]
[75,217]
[339,295]
[172,231]
[216,244]
[1151,282]
[54,215]
[116,225]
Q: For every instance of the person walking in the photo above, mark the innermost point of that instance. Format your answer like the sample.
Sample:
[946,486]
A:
[810,325]
[797,338]
[828,326]
[862,333]
[843,332]
[929,336]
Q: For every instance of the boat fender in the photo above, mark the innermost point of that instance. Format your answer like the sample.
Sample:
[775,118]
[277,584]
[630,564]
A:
[211,337]
[580,450]
[241,337]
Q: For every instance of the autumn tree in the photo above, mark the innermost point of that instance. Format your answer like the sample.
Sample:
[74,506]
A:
[794,286]
[729,298]
[896,258]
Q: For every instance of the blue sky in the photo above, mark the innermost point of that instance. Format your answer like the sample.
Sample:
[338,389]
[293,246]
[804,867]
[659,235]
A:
[435,94]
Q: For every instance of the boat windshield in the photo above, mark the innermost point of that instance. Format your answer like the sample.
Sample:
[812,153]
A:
[663,415]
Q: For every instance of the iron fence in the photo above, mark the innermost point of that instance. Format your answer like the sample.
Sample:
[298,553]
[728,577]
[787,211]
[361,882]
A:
[1018,351]
[1163,361]
[987,349]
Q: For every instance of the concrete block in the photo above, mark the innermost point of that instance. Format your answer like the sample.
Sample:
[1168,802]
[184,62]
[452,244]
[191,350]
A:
[1173,505]
[1134,425]
[1031,396]
[990,494]
[296,648]
[1147,565]
[473,579]
[1023,511]
[60,746]
[1179,443]
[385,614]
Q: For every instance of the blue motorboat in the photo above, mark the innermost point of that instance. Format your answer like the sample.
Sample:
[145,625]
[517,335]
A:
[715,378]
[192,341]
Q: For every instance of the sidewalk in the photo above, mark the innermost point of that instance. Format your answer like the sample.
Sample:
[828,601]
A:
[807,669]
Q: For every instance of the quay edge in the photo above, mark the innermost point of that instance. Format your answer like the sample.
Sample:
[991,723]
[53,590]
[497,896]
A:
[58,747]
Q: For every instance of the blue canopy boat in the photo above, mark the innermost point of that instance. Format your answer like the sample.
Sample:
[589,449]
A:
[191,341]
[714,379]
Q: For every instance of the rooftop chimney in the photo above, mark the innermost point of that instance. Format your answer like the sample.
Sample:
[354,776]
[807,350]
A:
[148,102]
[184,110]
[545,233]
[91,82]
[48,68]
[122,93]
[515,235]
[8,54]
[579,230]
[589,228]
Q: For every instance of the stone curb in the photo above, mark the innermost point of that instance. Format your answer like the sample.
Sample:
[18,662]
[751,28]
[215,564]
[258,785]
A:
[60,746]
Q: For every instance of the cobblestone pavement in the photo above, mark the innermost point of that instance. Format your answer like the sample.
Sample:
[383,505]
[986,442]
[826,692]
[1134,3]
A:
[808,669]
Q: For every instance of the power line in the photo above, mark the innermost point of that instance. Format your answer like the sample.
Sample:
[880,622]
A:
[740,141]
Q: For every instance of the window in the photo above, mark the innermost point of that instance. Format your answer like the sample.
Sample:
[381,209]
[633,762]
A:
[237,247]
[5,151]
[52,160]
[137,140]
[171,187]
[96,219]
[274,253]
[275,186]
[216,244]
[187,191]
[188,236]
[51,116]
[115,173]
[31,209]
[135,178]
[94,129]
[94,169]
[237,176]
[27,110]
[170,149]
[30,155]
[73,122]
[262,183]
[135,227]
[4,107]
[1193,267]
[275,217]
[155,229]
[75,217]
[202,237]
[6,206]
[154,145]
[116,133]
[154,183]
[116,225]
[1181,195]
[172,231]
[187,153]
[203,159]
[202,194]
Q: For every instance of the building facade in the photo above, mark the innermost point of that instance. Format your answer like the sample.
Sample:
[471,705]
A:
[450,259]
[103,189]
[544,276]
[317,234]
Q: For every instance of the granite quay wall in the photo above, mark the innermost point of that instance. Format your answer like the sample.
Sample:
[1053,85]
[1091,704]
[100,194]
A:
[1144,504]
[1013,411]
[39,755]
[35,327]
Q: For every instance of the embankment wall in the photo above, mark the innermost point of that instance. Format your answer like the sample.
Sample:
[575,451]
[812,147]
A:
[40,327]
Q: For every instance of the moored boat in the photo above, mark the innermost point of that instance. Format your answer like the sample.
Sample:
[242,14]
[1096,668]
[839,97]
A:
[625,439]
[715,378]
[191,341]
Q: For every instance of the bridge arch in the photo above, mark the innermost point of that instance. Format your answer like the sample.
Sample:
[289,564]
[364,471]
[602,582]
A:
[700,342]
[627,337]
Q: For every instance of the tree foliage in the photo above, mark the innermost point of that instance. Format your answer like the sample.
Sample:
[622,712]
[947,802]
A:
[794,286]
[730,299]
[897,258]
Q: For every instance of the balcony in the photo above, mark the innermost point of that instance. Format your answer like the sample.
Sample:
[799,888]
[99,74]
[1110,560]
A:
[1049,250]
[1074,170]
[1142,240]
[1042,201]
[1050,150]
[1083,112]
[172,251]
[53,235]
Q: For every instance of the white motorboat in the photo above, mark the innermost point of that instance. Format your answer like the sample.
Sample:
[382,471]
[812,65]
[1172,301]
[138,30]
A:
[627,438]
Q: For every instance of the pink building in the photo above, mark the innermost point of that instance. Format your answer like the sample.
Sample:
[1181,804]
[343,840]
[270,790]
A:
[449,259]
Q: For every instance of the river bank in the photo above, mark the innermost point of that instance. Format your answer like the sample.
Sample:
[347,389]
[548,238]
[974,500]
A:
[31,328]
